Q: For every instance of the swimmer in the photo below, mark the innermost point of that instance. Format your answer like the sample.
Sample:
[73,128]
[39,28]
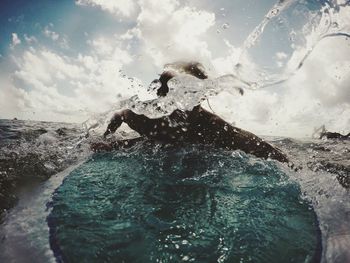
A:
[197,126]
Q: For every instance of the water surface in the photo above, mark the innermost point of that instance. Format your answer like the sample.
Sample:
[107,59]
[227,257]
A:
[193,204]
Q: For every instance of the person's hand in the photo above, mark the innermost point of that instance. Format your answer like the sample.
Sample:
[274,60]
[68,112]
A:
[114,124]
[101,146]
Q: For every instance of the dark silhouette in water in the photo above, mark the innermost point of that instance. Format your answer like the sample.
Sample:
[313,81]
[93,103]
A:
[197,126]
[332,135]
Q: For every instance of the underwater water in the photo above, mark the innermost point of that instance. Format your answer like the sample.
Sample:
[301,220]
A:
[167,204]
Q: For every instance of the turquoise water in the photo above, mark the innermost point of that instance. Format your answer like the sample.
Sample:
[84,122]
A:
[168,204]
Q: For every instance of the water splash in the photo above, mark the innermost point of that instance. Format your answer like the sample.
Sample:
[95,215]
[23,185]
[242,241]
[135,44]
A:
[255,35]
[323,20]
[185,92]
[324,186]
[323,23]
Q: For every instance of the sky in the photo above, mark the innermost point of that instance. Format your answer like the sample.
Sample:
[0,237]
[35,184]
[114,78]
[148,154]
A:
[69,60]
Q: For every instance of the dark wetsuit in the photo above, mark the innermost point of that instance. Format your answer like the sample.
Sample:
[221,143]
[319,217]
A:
[201,127]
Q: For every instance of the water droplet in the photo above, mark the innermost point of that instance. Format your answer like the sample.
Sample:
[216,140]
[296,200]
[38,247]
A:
[274,12]
[292,36]
[254,85]
[185,258]
[335,25]
[225,26]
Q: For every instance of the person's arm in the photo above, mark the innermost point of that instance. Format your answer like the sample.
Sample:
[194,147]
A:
[138,122]
[114,123]
[214,129]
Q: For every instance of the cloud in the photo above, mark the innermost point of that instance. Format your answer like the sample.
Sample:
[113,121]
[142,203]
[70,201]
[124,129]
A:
[323,82]
[171,32]
[54,36]
[51,34]
[317,94]
[8,97]
[30,39]
[67,88]
[115,7]
[54,82]
[165,30]
[15,41]
[225,64]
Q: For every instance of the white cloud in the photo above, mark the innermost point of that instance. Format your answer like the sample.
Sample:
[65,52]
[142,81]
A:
[8,97]
[102,46]
[30,39]
[15,40]
[325,76]
[61,40]
[165,30]
[67,88]
[116,7]
[51,34]
[317,94]
[225,65]
[171,32]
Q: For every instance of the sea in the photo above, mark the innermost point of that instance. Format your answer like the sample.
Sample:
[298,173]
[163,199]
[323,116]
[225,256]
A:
[39,163]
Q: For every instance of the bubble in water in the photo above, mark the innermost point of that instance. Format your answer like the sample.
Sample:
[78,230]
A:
[274,12]
[335,25]
[185,242]
[154,86]
[185,258]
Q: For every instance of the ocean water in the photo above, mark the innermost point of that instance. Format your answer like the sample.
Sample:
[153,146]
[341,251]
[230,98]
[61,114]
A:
[33,151]
[171,204]
[59,202]
[151,202]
